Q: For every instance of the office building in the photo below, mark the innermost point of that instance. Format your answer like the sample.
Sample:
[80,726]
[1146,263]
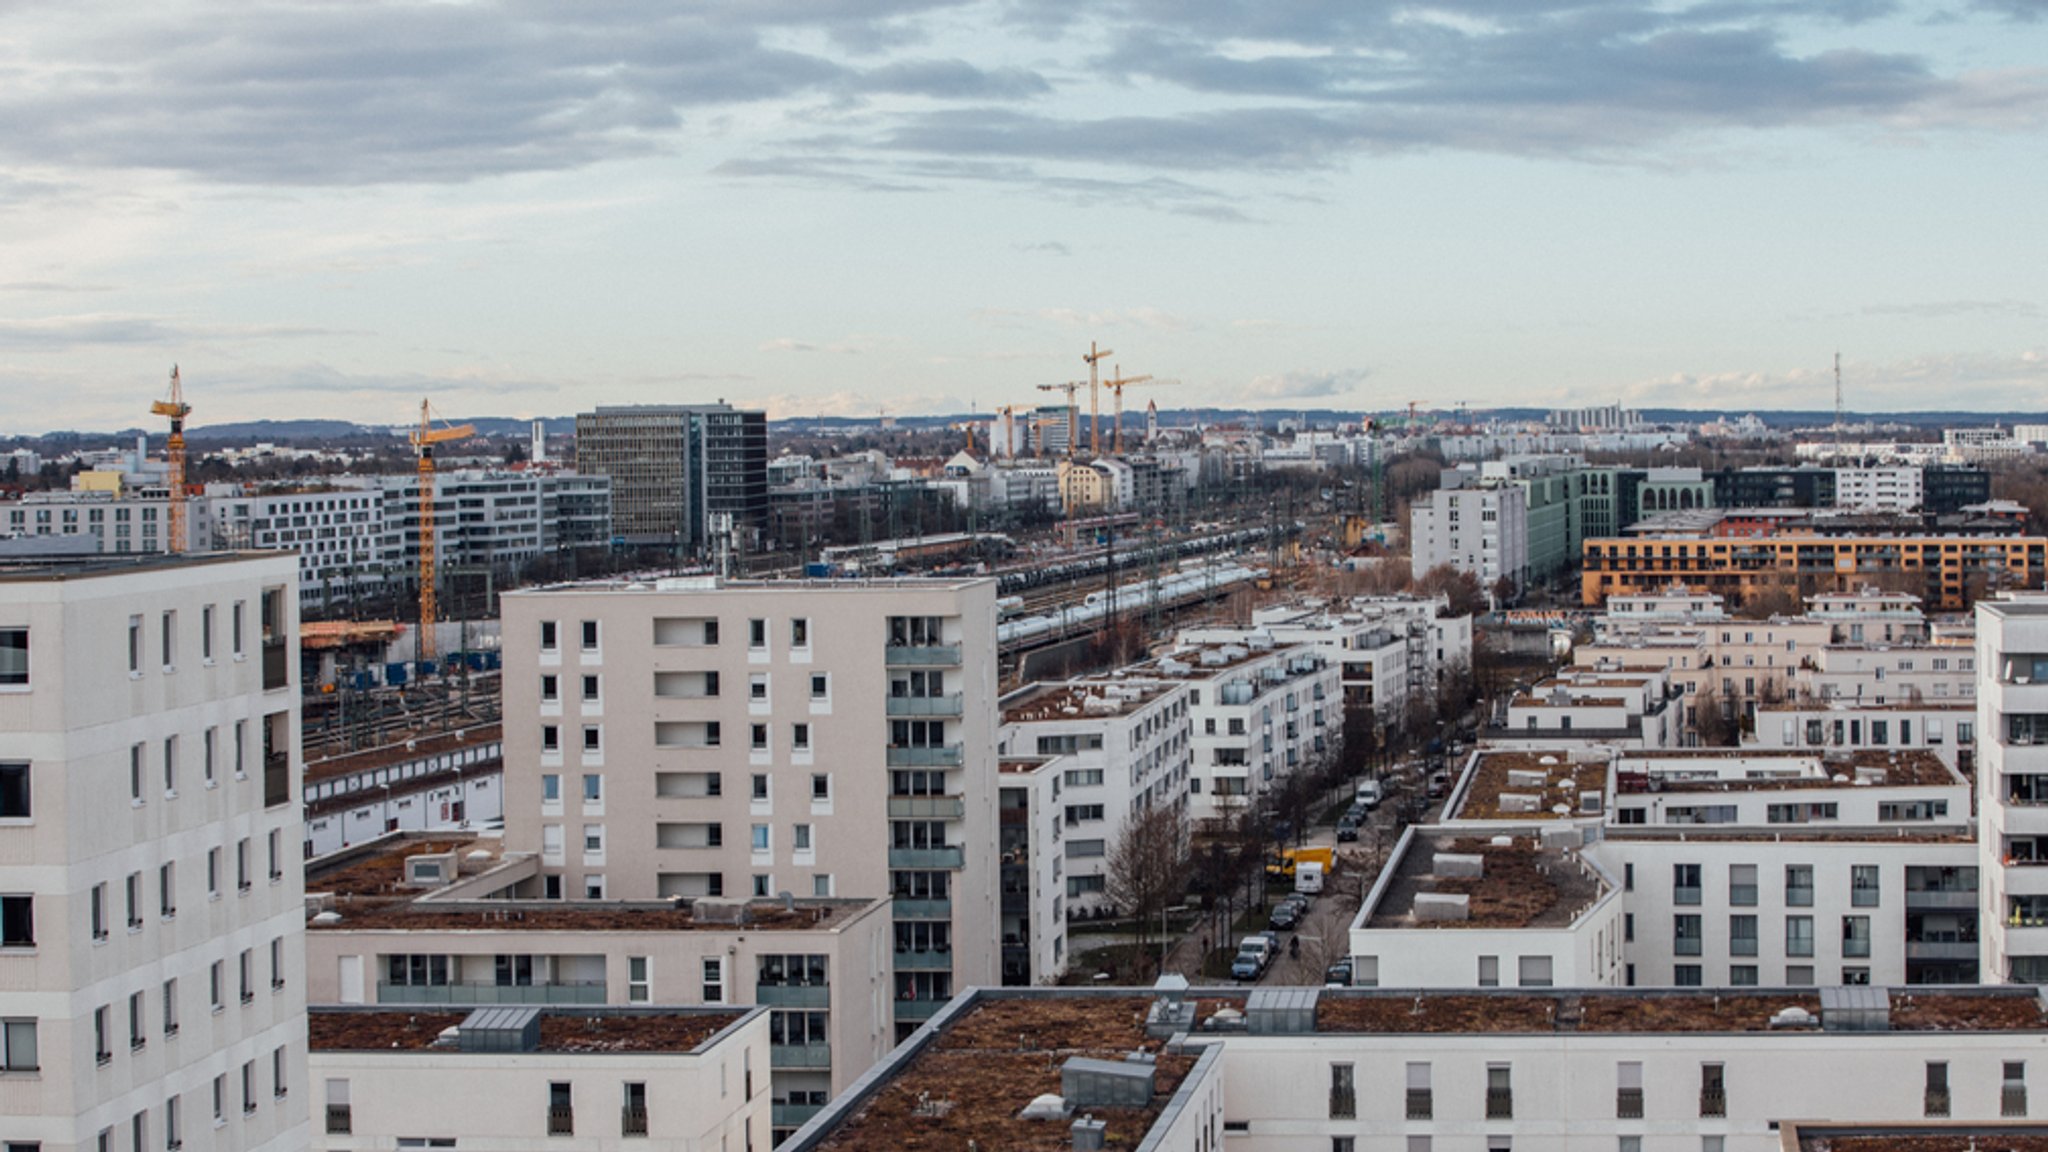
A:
[673,468]
[149,828]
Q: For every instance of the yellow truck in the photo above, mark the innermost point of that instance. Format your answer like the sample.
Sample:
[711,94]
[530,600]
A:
[1283,865]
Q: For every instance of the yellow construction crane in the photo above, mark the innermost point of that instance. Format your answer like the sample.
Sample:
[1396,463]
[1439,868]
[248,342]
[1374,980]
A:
[1008,413]
[423,441]
[177,410]
[1116,385]
[1095,398]
[1073,432]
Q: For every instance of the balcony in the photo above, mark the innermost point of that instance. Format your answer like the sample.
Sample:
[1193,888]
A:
[927,807]
[339,1121]
[1343,1104]
[1420,1104]
[578,992]
[561,1121]
[793,995]
[793,1115]
[922,656]
[2012,1100]
[924,961]
[908,1010]
[1500,1103]
[1935,1103]
[908,909]
[924,756]
[1628,1103]
[799,1056]
[1713,1102]
[276,666]
[1941,949]
[632,1121]
[916,858]
[925,705]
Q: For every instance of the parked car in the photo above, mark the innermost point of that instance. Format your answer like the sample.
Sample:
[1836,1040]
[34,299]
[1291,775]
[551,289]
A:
[1369,794]
[1347,830]
[1338,974]
[1439,785]
[1284,917]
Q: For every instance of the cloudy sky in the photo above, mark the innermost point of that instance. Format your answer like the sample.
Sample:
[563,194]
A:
[334,207]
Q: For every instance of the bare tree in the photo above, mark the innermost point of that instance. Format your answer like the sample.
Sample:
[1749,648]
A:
[1148,869]
[1711,719]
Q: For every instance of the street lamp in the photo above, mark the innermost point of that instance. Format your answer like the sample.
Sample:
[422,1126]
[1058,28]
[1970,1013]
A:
[1163,936]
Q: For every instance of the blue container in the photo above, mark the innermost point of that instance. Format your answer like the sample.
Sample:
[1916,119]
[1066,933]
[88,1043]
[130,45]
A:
[425,668]
[394,675]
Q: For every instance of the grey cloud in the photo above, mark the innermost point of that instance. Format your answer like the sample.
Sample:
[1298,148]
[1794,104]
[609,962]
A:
[1945,309]
[1304,385]
[2027,10]
[71,331]
[952,79]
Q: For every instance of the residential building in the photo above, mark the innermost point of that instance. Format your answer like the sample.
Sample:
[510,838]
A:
[675,467]
[1948,571]
[497,519]
[345,546]
[705,737]
[1628,709]
[153,911]
[1032,869]
[2012,786]
[1484,531]
[531,1076]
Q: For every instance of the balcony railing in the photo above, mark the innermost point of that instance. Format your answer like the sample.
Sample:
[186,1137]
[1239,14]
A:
[1742,895]
[578,992]
[1500,1103]
[561,1121]
[1713,1102]
[1686,894]
[925,705]
[1740,946]
[908,909]
[793,1115]
[1941,949]
[1420,1104]
[339,1122]
[793,995]
[800,1055]
[1686,946]
[1856,946]
[1628,1103]
[1940,898]
[1935,1103]
[927,807]
[924,961]
[925,756]
[1798,897]
[632,1121]
[2012,1100]
[918,1009]
[1343,1104]
[276,670]
[922,655]
[916,858]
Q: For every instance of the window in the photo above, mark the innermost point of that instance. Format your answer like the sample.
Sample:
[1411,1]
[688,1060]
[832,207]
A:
[801,841]
[235,615]
[1532,971]
[167,890]
[135,646]
[246,968]
[821,885]
[17,921]
[593,839]
[208,747]
[99,911]
[137,1036]
[550,689]
[1742,975]
[593,738]
[213,873]
[13,657]
[1742,885]
[1687,975]
[103,1035]
[550,738]
[216,978]
[14,792]
[1799,885]
[1489,971]
[279,1086]
[132,890]
[1936,1097]
[714,980]
[1742,935]
[1798,935]
[1420,1105]
[757,634]
[276,849]
[1713,1091]
[590,635]
[758,737]
[135,773]
[1863,886]
[2013,1089]
[593,788]
[758,838]
[550,788]
[821,787]
[760,786]
[639,988]
[1855,936]
[821,686]
[18,1045]
[799,633]
[1687,935]
[1500,1095]
[1343,1093]
[590,689]
[277,965]
[242,881]
[248,1087]
[170,636]
[800,737]
[1685,883]
[171,1007]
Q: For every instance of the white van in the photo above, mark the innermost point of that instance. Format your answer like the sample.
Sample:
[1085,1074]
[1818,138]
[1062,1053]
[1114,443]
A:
[1308,876]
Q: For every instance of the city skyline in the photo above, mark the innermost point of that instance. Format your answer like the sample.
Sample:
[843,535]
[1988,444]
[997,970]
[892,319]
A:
[914,206]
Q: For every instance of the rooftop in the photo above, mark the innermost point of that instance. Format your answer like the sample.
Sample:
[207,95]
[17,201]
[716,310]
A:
[967,1087]
[39,569]
[1565,776]
[1081,700]
[2013,1136]
[1744,770]
[593,1031]
[1519,885]
[419,748]
[686,584]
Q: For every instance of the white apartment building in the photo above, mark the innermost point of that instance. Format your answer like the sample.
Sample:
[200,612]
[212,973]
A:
[152,958]
[2012,783]
[1314,1070]
[450,935]
[1880,488]
[1481,530]
[1579,707]
[344,546]
[575,1079]
[1034,897]
[122,525]
[498,517]
[1126,747]
[1386,647]
[1255,714]
[1948,731]
[701,737]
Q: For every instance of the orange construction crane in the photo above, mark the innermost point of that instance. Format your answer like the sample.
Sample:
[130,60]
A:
[177,410]
[1073,431]
[1095,399]
[423,441]
[1116,385]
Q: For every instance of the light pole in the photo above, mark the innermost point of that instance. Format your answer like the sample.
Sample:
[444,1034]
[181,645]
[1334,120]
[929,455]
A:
[1163,935]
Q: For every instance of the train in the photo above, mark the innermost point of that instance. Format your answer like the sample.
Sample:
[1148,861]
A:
[1184,586]
[1134,555]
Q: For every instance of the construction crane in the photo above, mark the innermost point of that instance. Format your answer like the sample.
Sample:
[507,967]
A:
[1095,398]
[1073,432]
[1008,414]
[177,410]
[423,441]
[1116,385]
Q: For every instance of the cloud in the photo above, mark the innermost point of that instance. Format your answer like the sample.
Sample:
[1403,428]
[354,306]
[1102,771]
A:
[62,332]
[785,344]
[1142,317]
[1964,381]
[1945,309]
[1048,247]
[1298,385]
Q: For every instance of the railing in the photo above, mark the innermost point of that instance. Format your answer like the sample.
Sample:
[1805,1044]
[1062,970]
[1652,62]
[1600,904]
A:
[1686,895]
[924,961]
[800,1055]
[276,673]
[1742,895]
[927,807]
[277,780]
[793,995]
[1856,946]
[1936,1102]
[921,655]
[916,858]
[632,1121]
[561,1121]
[1420,1104]
[1940,898]
[578,992]
[925,756]
[925,705]
[1741,946]
[1799,897]
[1628,1103]
[1500,1103]
[1713,1102]
[1941,949]
[1686,946]
[1343,1104]
[793,1115]
[918,1009]
[908,909]
[2012,1100]
[339,1122]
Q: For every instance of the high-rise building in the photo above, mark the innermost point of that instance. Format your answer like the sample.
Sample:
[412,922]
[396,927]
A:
[2012,786]
[674,467]
[154,920]
[702,737]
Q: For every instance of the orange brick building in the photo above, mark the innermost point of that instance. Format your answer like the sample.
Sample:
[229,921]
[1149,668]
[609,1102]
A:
[1947,572]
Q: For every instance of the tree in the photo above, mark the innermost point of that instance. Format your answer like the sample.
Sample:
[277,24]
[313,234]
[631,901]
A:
[1711,719]
[1460,587]
[1148,869]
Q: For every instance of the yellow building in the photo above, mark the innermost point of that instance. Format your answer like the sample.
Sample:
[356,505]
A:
[1083,488]
[1947,572]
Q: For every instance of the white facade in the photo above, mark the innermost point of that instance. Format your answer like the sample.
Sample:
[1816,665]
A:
[1034,892]
[153,966]
[1484,531]
[445,782]
[1893,488]
[344,545]
[1386,647]
[2012,786]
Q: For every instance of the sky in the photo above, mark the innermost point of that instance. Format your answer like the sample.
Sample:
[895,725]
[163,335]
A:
[336,208]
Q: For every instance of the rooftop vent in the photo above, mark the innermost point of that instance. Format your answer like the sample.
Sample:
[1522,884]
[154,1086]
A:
[1090,1135]
[1047,1107]
[1280,1011]
[1794,1017]
[1855,1008]
[500,1029]
[712,910]
[1091,1083]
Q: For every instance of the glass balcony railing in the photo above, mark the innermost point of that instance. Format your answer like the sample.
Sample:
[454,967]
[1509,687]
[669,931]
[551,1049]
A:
[793,995]
[914,858]
[908,909]
[924,756]
[927,807]
[924,961]
[583,992]
[922,655]
[799,1055]
[925,705]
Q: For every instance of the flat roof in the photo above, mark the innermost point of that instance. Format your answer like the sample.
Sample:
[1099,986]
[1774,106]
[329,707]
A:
[967,1087]
[35,569]
[1082,700]
[2002,1136]
[1665,771]
[684,585]
[1520,885]
[418,748]
[1564,778]
[594,1031]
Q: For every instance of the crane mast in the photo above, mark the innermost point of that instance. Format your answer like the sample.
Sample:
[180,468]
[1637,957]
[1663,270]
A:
[423,440]
[176,410]
[1093,357]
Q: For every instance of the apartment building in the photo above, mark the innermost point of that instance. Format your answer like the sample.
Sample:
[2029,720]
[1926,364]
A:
[346,548]
[497,519]
[1946,730]
[575,1079]
[1032,869]
[119,524]
[453,780]
[2012,783]
[1481,530]
[1309,1070]
[1949,570]
[1633,709]
[674,467]
[447,922]
[153,918]
[1387,648]
[1126,746]
[1255,714]
[704,737]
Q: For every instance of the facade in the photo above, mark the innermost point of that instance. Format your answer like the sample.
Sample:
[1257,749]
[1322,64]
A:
[345,546]
[1483,531]
[1947,572]
[742,739]
[1387,648]
[675,467]
[497,519]
[438,782]
[121,524]
[2012,786]
[1033,871]
[1631,709]
[502,1079]
[154,920]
